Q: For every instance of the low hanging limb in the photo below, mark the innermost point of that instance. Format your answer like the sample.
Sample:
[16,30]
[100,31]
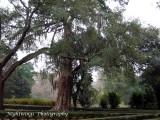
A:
[23,60]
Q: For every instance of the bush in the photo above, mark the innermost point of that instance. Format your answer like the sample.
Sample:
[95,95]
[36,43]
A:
[87,97]
[137,100]
[114,100]
[150,101]
[144,99]
[104,101]
[27,101]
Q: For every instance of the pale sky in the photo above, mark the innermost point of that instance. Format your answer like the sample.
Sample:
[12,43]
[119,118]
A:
[145,10]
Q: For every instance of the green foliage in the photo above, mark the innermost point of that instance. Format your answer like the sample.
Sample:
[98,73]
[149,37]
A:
[114,100]
[151,77]
[136,100]
[88,97]
[88,94]
[124,38]
[104,100]
[124,44]
[28,101]
[126,52]
[151,74]
[119,82]
[83,45]
[59,47]
[20,82]
[150,98]
[59,9]
[111,99]
[145,99]
[117,49]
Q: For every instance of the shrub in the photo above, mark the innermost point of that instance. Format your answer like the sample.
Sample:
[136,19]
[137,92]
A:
[104,101]
[27,101]
[114,100]
[150,101]
[87,97]
[136,100]
[145,99]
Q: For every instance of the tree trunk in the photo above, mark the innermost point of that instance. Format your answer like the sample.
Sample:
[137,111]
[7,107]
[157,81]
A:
[0,28]
[1,94]
[63,101]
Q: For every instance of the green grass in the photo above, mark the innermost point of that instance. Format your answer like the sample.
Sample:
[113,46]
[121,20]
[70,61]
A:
[87,115]
[28,101]
[91,113]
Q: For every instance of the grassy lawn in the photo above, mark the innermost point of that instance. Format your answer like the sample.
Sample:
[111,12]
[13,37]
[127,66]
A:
[43,112]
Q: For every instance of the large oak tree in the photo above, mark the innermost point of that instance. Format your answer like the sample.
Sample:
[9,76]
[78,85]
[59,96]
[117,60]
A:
[80,23]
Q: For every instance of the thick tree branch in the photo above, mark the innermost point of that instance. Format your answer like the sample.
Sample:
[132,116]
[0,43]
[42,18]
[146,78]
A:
[86,59]
[20,41]
[23,60]
[94,54]
[75,58]
[54,34]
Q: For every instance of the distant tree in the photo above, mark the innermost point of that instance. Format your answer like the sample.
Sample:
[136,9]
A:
[151,77]
[151,47]
[19,84]
[120,83]
[139,52]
